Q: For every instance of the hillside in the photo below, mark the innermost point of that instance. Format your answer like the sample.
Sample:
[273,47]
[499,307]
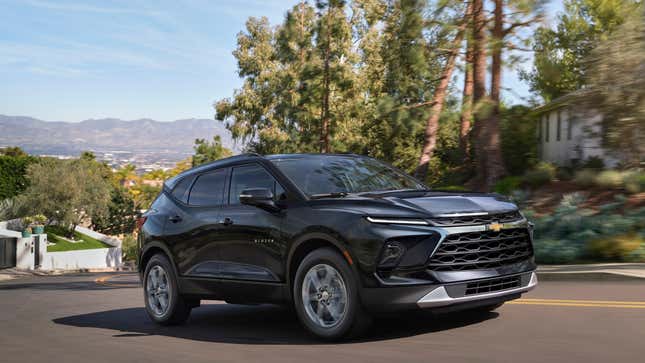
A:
[104,135]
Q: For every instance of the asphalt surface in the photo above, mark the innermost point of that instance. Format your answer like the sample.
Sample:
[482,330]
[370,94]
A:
[100,318]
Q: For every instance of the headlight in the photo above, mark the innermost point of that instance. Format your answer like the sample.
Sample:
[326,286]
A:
[408,221]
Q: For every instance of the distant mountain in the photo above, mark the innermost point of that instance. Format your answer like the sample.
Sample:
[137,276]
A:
[106,135]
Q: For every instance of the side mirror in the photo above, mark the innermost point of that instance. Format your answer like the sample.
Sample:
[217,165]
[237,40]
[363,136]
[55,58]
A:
[259,197]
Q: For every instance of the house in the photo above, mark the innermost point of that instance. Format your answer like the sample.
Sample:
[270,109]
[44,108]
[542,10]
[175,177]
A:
[569,134]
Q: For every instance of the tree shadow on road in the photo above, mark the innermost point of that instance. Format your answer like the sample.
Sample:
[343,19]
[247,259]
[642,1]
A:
[262,324]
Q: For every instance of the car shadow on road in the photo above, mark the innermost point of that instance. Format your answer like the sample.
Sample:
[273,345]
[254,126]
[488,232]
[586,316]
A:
[262,324]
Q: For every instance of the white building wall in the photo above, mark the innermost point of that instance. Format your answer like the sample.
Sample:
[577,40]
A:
[584,142]
[83,259]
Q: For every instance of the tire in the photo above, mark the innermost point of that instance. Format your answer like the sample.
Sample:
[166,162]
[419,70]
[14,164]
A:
[338,283]
[176,309]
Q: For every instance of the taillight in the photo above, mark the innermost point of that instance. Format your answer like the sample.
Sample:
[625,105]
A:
[140,221]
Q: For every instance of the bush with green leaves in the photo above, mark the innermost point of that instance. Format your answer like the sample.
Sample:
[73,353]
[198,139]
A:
[542,174]
[508,185]
[574,234]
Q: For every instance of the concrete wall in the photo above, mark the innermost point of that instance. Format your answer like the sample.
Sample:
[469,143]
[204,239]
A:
[99,258]
[82,259]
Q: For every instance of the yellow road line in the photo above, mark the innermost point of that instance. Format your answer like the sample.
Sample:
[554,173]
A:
[581,303]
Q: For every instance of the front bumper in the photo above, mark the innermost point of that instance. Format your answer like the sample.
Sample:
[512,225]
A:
[446,296]
[441,297]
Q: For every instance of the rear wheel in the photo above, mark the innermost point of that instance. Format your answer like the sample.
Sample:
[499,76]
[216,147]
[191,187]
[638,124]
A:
[163,302]
[326,296]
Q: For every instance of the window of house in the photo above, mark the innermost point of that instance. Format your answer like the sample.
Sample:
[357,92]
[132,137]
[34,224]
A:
[252,176]
[558,131]
[547,129]
[208,189]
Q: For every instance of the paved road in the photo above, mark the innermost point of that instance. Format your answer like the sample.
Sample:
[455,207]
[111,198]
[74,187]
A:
[75,319]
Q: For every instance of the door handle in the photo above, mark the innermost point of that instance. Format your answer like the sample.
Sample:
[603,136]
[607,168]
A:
[175,219]
[226,221]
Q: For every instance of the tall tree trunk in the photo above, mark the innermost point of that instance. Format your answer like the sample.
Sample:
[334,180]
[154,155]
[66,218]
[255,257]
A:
[480,101]
[495,164]
[324,129]
[466,118]
[432,127]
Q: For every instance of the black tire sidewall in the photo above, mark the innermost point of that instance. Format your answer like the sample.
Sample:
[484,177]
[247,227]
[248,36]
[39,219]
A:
[334,259]
[160,260]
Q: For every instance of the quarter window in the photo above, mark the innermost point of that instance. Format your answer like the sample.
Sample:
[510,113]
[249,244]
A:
[252,176]
[208,190]
[181,189]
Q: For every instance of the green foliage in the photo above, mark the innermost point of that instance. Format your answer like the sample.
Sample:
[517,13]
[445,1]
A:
[635,182]
[121,215]
[508,185]
[594,162]
[13,169]
[69,191]
[209,151]
[609,179]
[572,234]
[542,174]
[616,87]
[585,177]
[559,65]
[519,145]
[58,234]
[129,247]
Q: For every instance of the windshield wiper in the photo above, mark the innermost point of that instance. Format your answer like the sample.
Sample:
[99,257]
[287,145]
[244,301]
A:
[385,192]
[329,195]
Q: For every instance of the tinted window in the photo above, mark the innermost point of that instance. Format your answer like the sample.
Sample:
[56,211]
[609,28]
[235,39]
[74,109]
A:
[252,176]
[337,174]
[181,190]
[208,190]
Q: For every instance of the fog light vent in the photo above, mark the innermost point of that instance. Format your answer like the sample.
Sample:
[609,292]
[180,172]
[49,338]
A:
[391,254]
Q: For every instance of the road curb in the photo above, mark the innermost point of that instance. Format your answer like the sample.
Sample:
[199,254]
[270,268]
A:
[588,275]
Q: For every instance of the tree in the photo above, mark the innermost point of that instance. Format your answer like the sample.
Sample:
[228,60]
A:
[559,64]
[209,151]
[13,151]
[121,214]
[616,88]
[67,191]
[432,126]
[13,170]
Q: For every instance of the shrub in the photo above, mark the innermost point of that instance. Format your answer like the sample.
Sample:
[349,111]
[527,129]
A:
[594,162]
[563,173]
[585,177]
[543,173]
[609,179]
[615,247]
[129,248]
[635,182]
[508,185]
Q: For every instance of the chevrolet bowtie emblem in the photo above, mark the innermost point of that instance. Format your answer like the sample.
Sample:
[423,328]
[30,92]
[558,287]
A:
[495,226]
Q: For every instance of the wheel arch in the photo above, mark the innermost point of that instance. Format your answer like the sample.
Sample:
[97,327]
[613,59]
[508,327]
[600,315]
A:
[151,249]
[308,243]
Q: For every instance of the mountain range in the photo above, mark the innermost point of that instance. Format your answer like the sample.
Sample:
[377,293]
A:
[109,134]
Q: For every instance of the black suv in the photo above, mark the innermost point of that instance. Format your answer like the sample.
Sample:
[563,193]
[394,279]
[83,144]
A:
[335,236]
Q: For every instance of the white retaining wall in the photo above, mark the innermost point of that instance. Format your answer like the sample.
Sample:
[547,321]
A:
[82,259]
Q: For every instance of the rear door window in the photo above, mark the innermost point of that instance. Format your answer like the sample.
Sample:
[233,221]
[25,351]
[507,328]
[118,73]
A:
[208,190]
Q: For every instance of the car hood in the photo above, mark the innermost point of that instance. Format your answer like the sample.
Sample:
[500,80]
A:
[432,204]
[451,204]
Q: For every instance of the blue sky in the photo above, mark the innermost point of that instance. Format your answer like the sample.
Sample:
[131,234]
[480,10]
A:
[71,60]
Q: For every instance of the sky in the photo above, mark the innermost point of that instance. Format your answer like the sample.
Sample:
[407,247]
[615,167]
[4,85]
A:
[71,60]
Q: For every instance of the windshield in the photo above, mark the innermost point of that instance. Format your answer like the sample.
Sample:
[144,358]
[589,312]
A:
[317,175]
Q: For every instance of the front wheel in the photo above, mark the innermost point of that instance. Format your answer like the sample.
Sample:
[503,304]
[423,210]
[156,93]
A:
[326,296]
[164,304]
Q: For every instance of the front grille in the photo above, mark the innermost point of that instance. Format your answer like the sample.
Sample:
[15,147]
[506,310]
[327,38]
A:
[478,250]
[475,220]
[492,285]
